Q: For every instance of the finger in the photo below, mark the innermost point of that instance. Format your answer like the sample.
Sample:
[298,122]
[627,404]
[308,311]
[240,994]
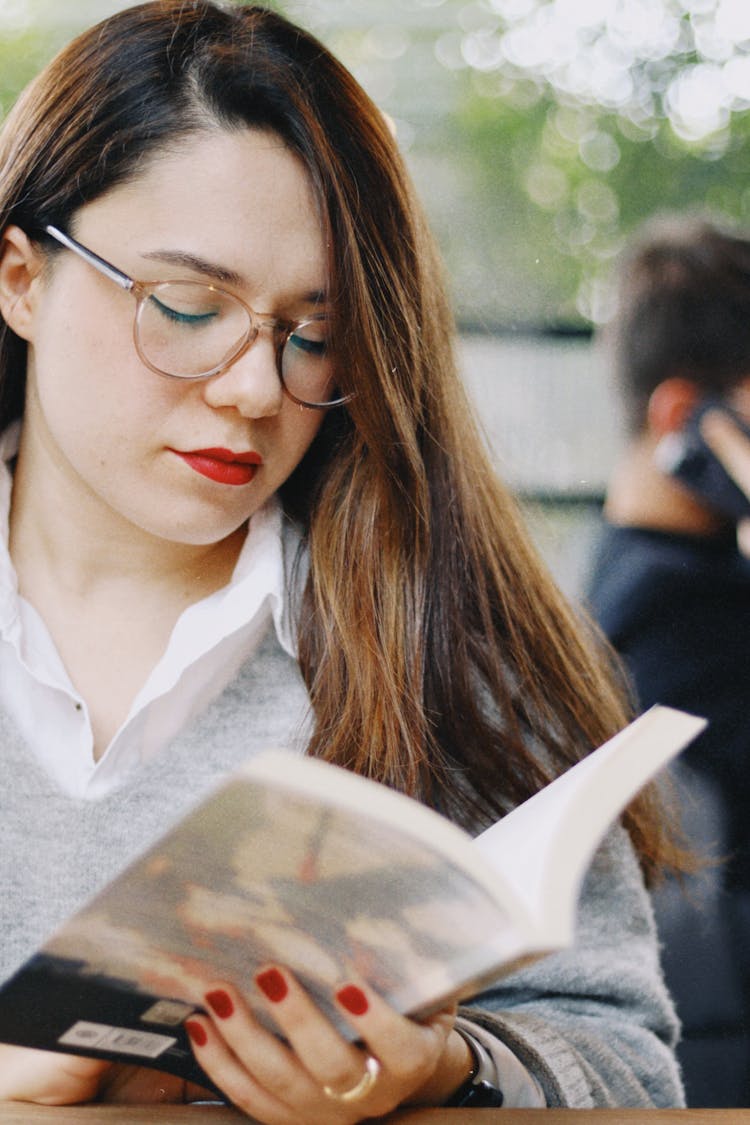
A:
[407,1049]
[299,1079]
[232,1076]
[329,1058]
[426,1060]
[729,444]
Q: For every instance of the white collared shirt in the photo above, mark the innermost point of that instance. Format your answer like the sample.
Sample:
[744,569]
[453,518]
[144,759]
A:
[209,642]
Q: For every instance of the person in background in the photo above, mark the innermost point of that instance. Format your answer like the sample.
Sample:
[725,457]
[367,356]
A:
[670,586]
[247,505]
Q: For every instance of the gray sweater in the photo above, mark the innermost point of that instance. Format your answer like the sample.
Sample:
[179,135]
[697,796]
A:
[593,1024]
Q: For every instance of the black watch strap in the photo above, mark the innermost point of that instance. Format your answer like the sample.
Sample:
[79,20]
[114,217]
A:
[474,1090]
[480,1095]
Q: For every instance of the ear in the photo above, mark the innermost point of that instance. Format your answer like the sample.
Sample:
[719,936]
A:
[670,405]
[20,266]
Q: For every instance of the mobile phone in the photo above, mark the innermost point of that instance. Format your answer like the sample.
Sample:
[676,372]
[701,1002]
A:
[686,457]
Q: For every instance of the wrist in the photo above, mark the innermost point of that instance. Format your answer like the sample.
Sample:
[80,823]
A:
[454,1066]
[478,1088]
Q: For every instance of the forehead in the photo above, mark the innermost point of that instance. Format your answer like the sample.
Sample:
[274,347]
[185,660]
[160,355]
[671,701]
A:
[239,197]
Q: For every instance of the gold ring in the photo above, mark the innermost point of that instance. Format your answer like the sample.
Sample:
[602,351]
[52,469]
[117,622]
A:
[363,1087]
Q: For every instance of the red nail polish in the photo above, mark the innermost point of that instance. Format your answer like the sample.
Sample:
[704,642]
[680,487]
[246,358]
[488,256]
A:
[272,984]
[220,1003]
[196,1032]
[353,999]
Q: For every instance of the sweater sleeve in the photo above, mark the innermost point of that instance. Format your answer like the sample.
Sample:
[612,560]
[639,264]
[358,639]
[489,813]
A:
[594,1024]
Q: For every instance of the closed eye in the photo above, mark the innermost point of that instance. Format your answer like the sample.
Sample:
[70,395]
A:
[179,317]
[305,344]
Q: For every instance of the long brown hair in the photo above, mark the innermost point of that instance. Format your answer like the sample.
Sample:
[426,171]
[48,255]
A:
[439,656]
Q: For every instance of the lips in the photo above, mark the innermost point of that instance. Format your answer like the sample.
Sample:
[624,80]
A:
[222,465]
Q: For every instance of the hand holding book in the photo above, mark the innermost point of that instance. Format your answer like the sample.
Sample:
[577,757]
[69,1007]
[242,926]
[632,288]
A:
[297,863]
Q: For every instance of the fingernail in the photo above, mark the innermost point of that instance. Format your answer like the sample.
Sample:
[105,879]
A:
[220,1003]
[272,985]
[196,1032]
[353,999]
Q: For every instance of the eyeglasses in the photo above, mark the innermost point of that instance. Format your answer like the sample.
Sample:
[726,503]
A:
[192,330]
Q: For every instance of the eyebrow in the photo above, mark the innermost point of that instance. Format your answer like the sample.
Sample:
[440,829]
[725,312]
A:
[218,272]
[193,262]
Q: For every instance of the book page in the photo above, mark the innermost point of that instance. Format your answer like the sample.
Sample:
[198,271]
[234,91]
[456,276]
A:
[552,836]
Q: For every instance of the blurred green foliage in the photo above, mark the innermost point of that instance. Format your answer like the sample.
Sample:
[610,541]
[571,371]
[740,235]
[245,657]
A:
[22,53]
[551,222]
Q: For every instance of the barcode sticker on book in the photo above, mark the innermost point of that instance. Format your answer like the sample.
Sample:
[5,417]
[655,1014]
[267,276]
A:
[167,1012]
[102,1037]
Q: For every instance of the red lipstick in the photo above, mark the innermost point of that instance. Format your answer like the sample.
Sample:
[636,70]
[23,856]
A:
[222,465]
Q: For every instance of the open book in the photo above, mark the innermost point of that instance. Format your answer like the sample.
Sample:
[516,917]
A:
[299,862]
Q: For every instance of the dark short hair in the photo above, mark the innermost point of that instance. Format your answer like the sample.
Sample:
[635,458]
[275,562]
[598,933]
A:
[683,309]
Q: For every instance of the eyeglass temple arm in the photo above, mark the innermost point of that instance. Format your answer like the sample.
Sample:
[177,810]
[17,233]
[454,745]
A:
[93,259]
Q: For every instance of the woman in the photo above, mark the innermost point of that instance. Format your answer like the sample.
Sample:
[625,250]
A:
[247,505]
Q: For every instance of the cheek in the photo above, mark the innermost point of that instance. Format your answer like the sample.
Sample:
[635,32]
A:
[94,396]
[301,426]
[84,339]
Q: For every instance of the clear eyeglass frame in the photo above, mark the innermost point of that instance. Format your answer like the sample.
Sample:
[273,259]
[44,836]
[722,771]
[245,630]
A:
[143,291]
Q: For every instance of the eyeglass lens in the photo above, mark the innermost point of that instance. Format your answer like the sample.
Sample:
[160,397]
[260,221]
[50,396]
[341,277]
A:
[188,330]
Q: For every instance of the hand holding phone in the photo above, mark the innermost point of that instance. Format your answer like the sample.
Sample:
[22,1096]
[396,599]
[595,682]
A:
[687,456]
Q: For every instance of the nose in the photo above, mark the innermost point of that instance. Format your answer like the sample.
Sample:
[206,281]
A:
[251,384]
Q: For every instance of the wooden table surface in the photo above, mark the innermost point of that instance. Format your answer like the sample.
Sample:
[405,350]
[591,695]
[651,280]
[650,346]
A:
[14,1113]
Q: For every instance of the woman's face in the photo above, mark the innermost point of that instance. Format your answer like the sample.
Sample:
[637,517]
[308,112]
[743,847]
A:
[101,428]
